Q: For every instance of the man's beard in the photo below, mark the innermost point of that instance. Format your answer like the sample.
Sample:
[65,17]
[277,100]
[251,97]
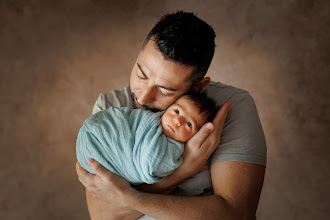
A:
[137,105]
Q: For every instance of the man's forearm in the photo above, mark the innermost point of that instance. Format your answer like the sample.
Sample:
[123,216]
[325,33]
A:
[170,182]
[182,207]
[165,186]
[100,210]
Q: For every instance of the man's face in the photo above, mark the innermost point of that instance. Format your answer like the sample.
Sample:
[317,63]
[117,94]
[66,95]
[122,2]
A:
[156,83]
[182,120]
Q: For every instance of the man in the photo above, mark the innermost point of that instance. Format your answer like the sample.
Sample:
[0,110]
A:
[174,59]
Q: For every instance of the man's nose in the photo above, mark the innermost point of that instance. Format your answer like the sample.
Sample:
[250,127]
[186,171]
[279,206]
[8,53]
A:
[177,121]
[146,96]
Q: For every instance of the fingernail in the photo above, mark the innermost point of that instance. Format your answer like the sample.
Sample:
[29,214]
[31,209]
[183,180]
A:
[90,161]
[209,126]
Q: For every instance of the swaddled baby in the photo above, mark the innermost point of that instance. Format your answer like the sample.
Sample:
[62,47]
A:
[139,145]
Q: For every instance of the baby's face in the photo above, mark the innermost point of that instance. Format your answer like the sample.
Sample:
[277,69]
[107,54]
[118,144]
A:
[182,120]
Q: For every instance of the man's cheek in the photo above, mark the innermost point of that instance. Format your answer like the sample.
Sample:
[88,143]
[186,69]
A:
[134,82]
[135,89]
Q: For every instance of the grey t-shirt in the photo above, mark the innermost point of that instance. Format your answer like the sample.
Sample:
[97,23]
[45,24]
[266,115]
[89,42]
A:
[242,138]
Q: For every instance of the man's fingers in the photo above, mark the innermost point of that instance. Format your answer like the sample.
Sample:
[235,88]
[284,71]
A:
[80,171]
[83,182]
[220,117]
[201,135]
[83,176]
[206,130]
[97,168]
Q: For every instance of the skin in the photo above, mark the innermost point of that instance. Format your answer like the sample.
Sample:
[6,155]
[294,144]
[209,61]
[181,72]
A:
[182,120]
[157,83]
[237,185]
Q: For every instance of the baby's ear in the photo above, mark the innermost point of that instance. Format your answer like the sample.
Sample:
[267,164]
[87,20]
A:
[201,84]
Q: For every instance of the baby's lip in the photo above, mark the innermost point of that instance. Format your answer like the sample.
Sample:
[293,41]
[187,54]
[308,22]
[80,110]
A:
[171,128]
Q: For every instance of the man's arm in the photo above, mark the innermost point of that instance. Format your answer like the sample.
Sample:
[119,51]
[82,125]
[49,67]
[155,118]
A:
[237,188]
[193,159]
[228,200]
[99,210]
[197,150]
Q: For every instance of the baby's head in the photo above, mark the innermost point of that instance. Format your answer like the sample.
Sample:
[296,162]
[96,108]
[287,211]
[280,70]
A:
[187,115]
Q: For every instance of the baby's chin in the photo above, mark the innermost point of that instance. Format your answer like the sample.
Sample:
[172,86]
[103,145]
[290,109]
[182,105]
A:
[167,133]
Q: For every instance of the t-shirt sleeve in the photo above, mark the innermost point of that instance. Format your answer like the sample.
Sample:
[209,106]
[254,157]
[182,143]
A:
[99,104]
[115,98]
[242,138]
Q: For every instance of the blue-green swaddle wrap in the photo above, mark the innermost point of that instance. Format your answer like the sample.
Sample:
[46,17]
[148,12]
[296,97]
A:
[129,143]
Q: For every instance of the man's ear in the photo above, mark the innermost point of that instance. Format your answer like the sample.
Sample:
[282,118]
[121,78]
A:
[201,84]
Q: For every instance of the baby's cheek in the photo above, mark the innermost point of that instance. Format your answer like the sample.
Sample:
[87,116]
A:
[193,133]
[190,134]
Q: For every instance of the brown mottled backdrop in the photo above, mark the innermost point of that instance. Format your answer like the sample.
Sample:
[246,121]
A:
[57,56]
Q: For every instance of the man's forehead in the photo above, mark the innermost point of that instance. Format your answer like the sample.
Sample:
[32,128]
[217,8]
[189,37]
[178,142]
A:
[164,80]
[171,73]
[171,77]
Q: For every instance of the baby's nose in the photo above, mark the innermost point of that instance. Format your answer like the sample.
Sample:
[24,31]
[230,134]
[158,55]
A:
[177,121]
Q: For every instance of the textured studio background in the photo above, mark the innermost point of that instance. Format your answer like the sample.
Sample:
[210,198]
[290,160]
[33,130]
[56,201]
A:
[57,56]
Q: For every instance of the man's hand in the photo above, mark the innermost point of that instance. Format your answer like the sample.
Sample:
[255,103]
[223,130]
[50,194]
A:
[200,147]
[196,152]
[105,185]
[109,187]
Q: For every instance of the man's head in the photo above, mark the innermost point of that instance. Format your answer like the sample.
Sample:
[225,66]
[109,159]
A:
[174,60]
[187,115]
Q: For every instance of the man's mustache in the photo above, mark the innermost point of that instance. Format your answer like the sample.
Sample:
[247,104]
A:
[146,107]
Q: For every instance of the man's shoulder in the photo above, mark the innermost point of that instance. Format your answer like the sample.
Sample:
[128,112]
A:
[114,98]
[242,137]
[222,93]
[122,95]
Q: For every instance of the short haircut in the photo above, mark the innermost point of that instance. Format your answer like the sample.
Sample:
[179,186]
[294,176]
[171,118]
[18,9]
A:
[184,38]
[204,103]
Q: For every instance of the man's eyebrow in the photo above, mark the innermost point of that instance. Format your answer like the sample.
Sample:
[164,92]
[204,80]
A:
[142,70]
[161,86]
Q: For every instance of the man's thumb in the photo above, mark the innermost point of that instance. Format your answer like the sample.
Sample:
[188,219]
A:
[206,130]
[202,134]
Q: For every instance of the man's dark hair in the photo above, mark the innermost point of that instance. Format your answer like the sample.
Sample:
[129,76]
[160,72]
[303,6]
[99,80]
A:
[184,38]
[204,103]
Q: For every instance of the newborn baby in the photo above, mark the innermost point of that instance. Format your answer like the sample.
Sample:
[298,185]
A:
[139,145]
